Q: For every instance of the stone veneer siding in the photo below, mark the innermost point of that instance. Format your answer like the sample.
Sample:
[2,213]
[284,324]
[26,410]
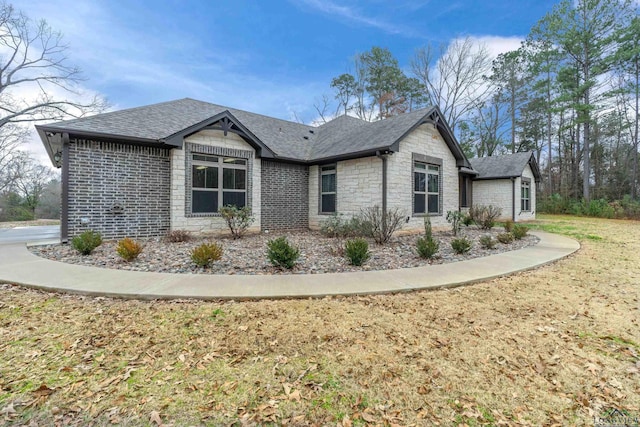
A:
[285,196]
[359,185]
[210,141]
[118,190]
[423,143]
[499,192]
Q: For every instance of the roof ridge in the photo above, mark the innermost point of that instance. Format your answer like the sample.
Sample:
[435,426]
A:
[250,112]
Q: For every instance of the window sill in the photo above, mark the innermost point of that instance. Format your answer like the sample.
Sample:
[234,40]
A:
[204,215]
[327,213]
[422,215]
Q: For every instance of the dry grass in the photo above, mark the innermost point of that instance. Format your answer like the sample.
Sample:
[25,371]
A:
[12,224]
[556,345]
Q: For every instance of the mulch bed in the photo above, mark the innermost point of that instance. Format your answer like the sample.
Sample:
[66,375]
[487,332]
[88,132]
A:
[318,254]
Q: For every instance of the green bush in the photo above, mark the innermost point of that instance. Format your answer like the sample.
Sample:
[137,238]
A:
[427,247]
[204,254]
[505,238]
[455,219]
[485,216]
[238,220]
[281,253]
[467,220]
[86,242]
[337,226]
[519,231]
[623,208]
[357,251]
[508,225]
[487,242]
[461,245]
[128,249]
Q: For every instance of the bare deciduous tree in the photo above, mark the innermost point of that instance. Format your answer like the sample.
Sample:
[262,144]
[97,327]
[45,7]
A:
[453,76]
[35,58]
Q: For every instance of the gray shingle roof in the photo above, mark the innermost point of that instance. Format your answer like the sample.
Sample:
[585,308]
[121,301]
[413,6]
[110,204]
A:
[507,166]
[342,136]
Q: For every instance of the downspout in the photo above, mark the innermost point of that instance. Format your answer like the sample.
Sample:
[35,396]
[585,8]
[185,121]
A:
[64,210]
[513,199]
[383,157]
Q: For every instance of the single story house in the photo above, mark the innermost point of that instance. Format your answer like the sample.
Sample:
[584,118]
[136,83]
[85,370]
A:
[144,171]
[508,182]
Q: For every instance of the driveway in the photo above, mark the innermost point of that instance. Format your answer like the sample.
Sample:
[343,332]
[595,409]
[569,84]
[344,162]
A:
[41,233]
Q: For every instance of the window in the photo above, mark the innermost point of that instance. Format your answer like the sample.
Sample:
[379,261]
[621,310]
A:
[426,190]
[525,196]
[328,189]
[215,180]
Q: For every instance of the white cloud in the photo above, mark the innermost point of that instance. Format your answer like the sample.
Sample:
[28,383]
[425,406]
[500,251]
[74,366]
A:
[498,44]
[354,15]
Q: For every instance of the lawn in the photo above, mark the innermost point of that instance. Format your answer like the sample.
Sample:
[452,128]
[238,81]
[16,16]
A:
[553,346]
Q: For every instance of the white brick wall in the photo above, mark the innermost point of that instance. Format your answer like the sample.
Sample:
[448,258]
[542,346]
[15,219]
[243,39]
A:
[214,225]
[428,141]
[499,192]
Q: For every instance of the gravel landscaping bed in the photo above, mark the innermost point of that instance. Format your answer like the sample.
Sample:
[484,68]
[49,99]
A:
[318,254]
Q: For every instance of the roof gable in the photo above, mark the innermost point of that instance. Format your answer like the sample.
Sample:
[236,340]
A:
[506,166]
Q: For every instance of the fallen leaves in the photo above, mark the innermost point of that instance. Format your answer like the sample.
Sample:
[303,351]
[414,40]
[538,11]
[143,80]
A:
[535,348]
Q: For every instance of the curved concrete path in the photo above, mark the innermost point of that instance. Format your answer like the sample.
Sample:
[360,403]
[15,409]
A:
[21,267]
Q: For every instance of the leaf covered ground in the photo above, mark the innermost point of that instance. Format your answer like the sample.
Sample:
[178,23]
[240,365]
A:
[553,346]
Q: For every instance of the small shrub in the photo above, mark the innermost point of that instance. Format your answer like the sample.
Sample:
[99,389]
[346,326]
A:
[357,251]
[508,225]
[204,254]
[428,231]
[238,220]
[505,238]
[281,253]
[455,219]
[485,216]
[128,249]
[337,226]
[519,231]
[461,245]
[467,220]
[86,242]
[427,247]
[175,236]
[379,225]
[487,242]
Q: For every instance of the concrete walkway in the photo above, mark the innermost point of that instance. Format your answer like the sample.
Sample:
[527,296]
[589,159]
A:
[19,266]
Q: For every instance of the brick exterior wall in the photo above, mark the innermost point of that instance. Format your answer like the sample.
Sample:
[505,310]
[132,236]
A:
[118,190]
[285,196]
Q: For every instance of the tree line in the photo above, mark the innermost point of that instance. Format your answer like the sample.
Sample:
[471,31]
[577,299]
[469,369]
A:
[569,93]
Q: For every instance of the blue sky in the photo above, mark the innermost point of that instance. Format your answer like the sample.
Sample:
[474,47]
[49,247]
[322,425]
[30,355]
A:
[271,57]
